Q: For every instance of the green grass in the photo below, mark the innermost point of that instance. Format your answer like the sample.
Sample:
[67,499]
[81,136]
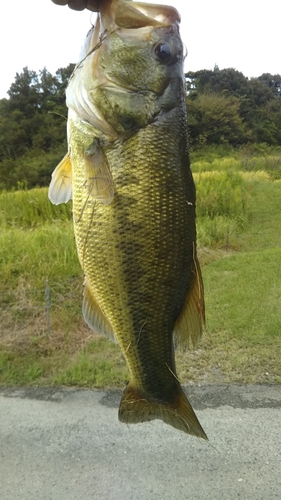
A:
[246,305]
[239,220]
[98,364]
[250,158]
[49,248]
[243,289]
[265,217]
[91,368]
[27,209]
[222,193]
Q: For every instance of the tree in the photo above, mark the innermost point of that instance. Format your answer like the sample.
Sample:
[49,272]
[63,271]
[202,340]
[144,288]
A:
[229,81]
[33,126]
[273,82]
[214,119]
[259,100]
[23,93]
[224,107]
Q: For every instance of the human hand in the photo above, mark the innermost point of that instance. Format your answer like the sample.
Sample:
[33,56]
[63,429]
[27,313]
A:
[80,4]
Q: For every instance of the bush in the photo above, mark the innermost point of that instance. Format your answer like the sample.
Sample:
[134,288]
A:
[221,193]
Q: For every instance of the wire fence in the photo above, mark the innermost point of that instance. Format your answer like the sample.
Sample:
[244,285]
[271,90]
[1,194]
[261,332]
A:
[25,302]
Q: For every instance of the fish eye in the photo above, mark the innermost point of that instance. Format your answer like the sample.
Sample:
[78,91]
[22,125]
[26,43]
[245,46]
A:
[163,51]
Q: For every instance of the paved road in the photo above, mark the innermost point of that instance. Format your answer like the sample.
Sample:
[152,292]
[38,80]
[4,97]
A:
[64,444]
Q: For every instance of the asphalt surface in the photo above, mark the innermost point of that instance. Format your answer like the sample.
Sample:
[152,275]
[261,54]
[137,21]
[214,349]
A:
[67,444]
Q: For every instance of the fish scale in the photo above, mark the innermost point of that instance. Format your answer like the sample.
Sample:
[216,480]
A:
[129,175]
[145,261]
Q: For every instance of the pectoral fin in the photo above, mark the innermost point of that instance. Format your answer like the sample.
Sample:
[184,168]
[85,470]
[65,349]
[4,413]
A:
[189,324]
[60,189]
[95,317]
[99,181]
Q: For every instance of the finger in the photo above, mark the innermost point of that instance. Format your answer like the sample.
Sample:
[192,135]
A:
[94,5]
[77,4]
[60,2]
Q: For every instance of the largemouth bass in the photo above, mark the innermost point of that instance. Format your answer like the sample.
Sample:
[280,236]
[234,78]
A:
[129,175]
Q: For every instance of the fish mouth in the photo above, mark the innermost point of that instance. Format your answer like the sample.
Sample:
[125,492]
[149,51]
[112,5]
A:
[127,15]
[138,15]
[134,15]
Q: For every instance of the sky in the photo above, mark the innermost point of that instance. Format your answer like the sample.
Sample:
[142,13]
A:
[241,34]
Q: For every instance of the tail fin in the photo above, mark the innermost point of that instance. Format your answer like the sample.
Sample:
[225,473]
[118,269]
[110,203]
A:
[136,407]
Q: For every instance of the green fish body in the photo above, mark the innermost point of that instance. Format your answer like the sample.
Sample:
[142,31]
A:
[128,173]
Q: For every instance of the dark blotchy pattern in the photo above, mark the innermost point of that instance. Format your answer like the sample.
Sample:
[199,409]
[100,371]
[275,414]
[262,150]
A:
[137,253]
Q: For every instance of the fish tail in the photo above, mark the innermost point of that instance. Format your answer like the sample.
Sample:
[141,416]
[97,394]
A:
[137,407]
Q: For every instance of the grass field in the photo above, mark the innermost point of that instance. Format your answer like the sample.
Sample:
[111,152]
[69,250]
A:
[239,221]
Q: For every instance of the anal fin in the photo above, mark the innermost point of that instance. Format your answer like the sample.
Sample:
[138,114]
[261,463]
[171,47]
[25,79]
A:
[94,316]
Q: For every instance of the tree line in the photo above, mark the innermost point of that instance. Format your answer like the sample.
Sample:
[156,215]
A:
[224,107]
[33,127]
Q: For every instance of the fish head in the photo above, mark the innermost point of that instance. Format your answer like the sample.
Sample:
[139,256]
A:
[131,68]
[144,48]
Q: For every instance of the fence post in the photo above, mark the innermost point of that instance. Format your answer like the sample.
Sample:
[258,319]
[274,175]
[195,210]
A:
[227,237]
[48,306]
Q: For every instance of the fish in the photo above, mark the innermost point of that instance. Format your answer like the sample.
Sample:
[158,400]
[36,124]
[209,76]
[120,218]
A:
[128,173]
